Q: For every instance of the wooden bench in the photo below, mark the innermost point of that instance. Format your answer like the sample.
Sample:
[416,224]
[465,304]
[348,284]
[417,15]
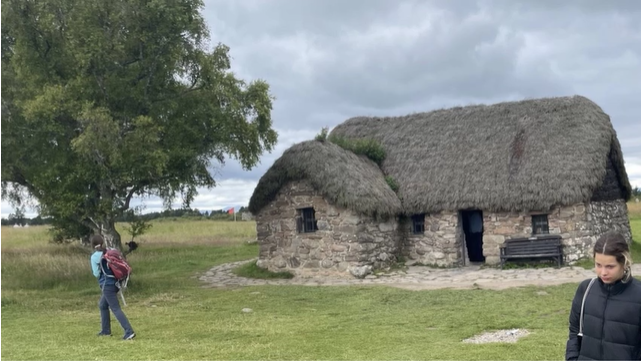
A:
[541,246]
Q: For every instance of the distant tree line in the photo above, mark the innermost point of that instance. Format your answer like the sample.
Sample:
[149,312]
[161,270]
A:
[19,218]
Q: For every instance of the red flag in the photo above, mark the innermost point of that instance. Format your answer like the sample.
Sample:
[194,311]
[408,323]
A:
[231,211]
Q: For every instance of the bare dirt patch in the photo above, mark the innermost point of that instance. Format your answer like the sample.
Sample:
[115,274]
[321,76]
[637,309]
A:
[501,336]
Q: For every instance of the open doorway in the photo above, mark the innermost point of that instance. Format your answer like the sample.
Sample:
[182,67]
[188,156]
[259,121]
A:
[473,228]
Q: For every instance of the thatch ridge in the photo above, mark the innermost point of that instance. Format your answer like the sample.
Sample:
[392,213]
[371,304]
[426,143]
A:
[512,156]
[345,179]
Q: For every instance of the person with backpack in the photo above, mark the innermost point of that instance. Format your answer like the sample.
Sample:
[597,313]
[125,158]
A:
[605,317]
[110,286]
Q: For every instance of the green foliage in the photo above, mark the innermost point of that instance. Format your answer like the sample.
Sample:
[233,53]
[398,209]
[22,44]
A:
[636,192]
[323,135]
[251,270]
[65,231]
[138,225]
[362,146]
[392,183]
[103,101]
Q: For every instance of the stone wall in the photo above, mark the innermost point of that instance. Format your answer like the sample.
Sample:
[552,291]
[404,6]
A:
[441,243]
[349,243]
[610,215]
[343,241]
[579,226]
[569,222]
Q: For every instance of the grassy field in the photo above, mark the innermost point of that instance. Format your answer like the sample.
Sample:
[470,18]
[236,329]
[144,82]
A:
[49,308]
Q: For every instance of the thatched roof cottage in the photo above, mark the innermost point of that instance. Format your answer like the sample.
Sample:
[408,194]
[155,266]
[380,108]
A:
[469,178]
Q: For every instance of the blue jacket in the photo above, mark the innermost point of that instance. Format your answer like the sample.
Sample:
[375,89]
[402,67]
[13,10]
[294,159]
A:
[98,266]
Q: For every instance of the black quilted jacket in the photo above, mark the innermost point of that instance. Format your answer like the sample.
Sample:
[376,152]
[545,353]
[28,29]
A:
[611,323]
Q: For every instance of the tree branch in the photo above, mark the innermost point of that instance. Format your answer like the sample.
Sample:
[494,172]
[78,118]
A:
[190,90]
[130,62]
[93,225]
[129,196]
[100,83]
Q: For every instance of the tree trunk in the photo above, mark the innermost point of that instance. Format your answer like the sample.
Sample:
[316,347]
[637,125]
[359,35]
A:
[111,236]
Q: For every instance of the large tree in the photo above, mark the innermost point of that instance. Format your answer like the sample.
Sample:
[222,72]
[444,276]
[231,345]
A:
[103,101]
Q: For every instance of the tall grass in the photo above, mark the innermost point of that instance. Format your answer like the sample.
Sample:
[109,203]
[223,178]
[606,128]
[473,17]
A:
[29,262]
[635,249]
[634,209]
[165,231]
[46,267]
[199,232]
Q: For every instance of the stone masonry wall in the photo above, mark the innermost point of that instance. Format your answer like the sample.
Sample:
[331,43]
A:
[570,222]
[579,226]
[440,245]
[343,241]
[346,241]
[610,215]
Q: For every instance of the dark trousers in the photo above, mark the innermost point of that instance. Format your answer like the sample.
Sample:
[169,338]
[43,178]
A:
[109,300]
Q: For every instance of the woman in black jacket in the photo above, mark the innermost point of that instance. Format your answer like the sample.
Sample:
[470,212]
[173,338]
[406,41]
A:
[612,312]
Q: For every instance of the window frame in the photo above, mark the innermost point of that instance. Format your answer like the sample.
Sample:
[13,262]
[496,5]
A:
[306,220]
[537,222]
[417,224]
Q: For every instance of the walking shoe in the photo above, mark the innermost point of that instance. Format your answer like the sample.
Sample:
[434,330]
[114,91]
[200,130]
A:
[129,336]
[102,334]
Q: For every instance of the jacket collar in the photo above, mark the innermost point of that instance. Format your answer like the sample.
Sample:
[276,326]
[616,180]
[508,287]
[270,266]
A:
[616,287]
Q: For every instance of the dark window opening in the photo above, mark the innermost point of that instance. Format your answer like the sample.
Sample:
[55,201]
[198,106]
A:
[539,224]
[417,224]
[306,222]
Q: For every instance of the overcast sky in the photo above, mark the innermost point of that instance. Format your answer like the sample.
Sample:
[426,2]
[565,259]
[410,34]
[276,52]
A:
[329,60]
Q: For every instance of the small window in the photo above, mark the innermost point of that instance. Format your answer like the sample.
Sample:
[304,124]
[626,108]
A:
[306,222]
[539,224]
[417,224]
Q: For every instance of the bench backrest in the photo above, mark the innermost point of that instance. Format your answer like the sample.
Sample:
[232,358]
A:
[538,246]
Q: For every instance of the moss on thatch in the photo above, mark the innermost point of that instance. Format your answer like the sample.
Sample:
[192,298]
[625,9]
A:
[363,146]
[513,156]
[344,178]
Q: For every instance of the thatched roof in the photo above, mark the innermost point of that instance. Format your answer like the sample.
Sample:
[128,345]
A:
[344,179]
[514,156]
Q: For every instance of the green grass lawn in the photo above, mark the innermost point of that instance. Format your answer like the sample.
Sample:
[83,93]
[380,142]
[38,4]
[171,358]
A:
[49,309]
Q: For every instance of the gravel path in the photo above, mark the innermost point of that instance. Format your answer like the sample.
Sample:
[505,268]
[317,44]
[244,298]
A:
[417,277]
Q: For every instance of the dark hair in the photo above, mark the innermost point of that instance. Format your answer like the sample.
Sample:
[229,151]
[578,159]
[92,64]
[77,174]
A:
[614,244]
[96,240]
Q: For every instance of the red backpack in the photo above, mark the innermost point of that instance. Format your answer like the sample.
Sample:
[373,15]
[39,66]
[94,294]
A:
[118,265]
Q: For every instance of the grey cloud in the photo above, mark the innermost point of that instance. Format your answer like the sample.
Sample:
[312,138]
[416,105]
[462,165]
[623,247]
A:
[281,18]
[564,7]
[330,60]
